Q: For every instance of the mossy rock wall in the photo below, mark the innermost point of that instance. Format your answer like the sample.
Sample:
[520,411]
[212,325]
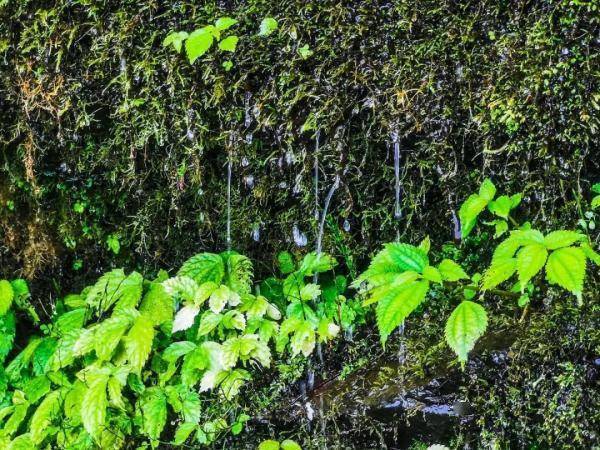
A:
[104,132]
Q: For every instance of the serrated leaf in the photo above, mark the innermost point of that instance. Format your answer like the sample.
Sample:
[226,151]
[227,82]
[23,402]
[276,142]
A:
[269,444]
[487,190]
[197,44]
[107,335]
[407,257]
[310,292]
[6,296]
[157,304]
[223,23]
[183,432]
[562,238]
[138,342]
[432,274]
[590,253]
[229,44]
[219,298]
[303,339]
[93,406]
[184,318]
[530,261]
[397,303]
[466,324]
[208,322]
[175,38]
[234,320]
[71,320]
[181,286]
[469,211]
[177,349]
[204,267]
[501,206]
[595,202]
[286,263]
[500,271]
[47,412]
[451,271]
[566,268]
[267,26]
[153,406]
[22,442]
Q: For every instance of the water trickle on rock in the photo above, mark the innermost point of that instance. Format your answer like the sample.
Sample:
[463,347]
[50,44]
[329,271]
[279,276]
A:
[332,190]
[247,115]
[249,181]
[300,238]
[316,174]
[397,206]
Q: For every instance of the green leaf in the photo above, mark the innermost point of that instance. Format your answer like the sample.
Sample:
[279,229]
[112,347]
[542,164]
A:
[138,342]
[157,304]
[305,52]
[219,298]
[317,263]
[432,274]
[595,202]
[466,324]
[269,444]
[7,334]
[500,227]
[153,406]
[589,252]
[208,322]
[397,303]
[36,388]
[515,200]
[487,190]
[182,287]
[184,318]
[596,188]
[469,211]
[501,206]
[175,38]
[204,267]
[7,295]
[288,444]
[223,23]
[22,442]
[229,44]
[566,268]
[112,241]
[267,26]
[407,257]
[285,261]
[562,238]
[530,261]
[69,321]
[48,411]
[500,271]
[107,335]
[197,44]
[451,271]
[93,406]
[177,349]
[183,432]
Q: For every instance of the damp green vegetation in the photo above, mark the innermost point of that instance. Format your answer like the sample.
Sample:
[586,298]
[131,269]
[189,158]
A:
[299,225]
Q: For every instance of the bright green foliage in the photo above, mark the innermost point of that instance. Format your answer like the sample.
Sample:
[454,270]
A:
[596,200]
[199,41]
[267,26]
[127,354]
[270,444]
[6,296]
[400,276]
[464,327]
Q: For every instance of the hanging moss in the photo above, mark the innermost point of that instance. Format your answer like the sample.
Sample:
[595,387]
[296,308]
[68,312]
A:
[104,132]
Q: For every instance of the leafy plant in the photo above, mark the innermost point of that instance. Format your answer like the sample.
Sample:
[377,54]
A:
[128,355]
[287,444]
[400,276]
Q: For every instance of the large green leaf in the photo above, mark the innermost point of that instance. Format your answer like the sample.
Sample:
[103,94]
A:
[267,26]
[6,296]
[562,238]
[408,257]
[397,304]
[204,267]
[197,44]
[487,190]
[501,206]
[469,211]
[451,271]
[500,271]
[47,412]
[153,406]
[138,342]
[157,304]
[465,325]
[108,334]
[530,261]
[566,268]
[229,44]
[93,406]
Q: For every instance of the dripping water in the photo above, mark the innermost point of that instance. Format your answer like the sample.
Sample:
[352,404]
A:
[316,174]
[300,238]
[229,201]
[332,190]
[398,216]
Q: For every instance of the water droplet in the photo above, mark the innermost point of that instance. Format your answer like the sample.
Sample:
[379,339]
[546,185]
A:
[256,233]
[300,238]
[245,162]
[249,181]
[247,116]
[190,135]
[283,185]
[346,225]
[249,138]
[289,157]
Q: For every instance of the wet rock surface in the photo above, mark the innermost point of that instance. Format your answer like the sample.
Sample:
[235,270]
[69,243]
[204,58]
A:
[408,407]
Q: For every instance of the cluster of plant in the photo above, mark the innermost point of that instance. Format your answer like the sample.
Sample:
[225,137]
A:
[401,275]
[129,356]
[199,41]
